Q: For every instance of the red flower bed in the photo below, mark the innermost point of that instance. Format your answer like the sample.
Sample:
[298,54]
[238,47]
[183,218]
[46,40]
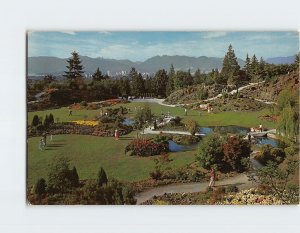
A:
[146,147]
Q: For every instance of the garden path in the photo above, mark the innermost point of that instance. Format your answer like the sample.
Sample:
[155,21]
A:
[241,181]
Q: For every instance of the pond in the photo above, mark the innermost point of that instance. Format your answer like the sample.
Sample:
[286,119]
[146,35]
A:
[128,121]
[174,147]
[224,129]
[260,141]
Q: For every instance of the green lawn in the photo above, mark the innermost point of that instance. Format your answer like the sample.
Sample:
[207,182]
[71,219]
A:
[89,153]
[246,119]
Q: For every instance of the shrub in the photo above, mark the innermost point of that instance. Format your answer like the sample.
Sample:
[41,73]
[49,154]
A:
[210,152]
[185,139]
[83,103]
[35,121]
[40,187]
[192,126]
[59,176]
[269,153]
[74,178]
[235,149]
[146,147]
[231,189]
[51,119]
[156,174]
[102,178]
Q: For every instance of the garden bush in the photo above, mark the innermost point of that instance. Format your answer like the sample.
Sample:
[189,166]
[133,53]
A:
[185,139]
[269,153]
[146,147]
[235,149]
[210,152]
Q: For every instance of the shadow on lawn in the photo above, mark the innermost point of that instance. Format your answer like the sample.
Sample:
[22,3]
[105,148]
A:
[56,145]
[126,138]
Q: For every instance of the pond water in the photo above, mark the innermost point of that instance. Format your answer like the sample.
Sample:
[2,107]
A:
[128,121]
[174,147]
[264,141]
[225,129]
[259,141]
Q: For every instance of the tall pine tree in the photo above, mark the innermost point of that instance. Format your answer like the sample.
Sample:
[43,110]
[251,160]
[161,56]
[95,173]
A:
[137,83]
[74,74]
[170,84]
[230,69]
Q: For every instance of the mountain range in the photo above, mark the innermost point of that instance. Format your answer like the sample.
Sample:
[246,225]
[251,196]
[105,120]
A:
[42,65]
[281,60]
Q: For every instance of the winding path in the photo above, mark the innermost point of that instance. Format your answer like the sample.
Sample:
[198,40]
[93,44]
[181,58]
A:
[160,101]
[241,181]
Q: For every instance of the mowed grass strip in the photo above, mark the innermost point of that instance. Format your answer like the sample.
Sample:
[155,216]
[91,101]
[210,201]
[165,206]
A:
[89,153]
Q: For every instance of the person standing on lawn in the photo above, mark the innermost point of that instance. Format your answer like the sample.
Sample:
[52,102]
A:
[185,111]
[212,177]
[117,135]
[41,144]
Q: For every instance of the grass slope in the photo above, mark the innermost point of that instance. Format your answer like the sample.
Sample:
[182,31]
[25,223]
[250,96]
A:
[89,153]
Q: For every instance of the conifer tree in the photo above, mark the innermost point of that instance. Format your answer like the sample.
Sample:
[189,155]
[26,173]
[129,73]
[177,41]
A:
[230,67]
[35,120]
[102,178]
[170,84]
[97,76]
[75,69]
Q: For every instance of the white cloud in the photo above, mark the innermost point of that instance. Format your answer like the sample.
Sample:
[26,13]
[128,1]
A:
[68,32]
[105,33]
[210,35]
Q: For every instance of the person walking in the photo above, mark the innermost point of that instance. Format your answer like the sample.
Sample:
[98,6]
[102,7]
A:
[185,111]
[70,112]
[44,138]
[117,135]
[41,144]
[212,177]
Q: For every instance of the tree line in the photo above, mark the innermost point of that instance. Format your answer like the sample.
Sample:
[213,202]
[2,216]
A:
[164,82]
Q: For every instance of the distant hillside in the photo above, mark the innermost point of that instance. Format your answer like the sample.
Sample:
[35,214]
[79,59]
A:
[57,66]
[281,60]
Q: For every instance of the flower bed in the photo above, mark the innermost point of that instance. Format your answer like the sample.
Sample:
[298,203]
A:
[251,197]
[73,128]
[88,123]
[146,147]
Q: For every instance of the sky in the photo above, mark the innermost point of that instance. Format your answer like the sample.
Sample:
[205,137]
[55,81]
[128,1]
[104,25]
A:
[139,46]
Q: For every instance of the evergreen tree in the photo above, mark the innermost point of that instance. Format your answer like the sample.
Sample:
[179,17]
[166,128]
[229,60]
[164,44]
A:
[197,77]
[254,70]
[170,84]
[46,122]
[137,83]
[149,85]
[160,83]
[296,62]
[35,120]
[40,187]
[74,178]
[74,74]
[51,119]
[102,178]
[247,68]
[97,76]
[231,67]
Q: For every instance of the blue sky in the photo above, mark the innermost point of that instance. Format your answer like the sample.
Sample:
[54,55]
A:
[139,46]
